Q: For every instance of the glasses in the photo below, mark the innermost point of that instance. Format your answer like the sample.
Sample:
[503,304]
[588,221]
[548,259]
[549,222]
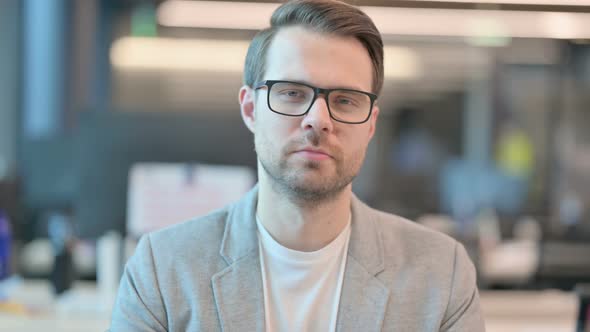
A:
[295,99]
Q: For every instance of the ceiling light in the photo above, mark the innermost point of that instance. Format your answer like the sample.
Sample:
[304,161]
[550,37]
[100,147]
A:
[215,14]
[179,54]
[389,20]
[580,3]
[170,54]
[401,63]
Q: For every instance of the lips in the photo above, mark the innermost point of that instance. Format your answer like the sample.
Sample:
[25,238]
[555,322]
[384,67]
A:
[313,153]
[312,150]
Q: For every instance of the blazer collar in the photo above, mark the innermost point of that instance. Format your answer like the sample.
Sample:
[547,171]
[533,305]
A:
[238,289]
[366,244]
[240,237]
[364,297]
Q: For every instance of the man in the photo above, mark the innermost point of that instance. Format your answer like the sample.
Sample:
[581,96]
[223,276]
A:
[300,252]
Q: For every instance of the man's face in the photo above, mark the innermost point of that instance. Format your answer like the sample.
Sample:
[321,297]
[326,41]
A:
[311,156]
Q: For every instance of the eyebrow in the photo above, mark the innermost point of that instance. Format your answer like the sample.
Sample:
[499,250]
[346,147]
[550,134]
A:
[335,87]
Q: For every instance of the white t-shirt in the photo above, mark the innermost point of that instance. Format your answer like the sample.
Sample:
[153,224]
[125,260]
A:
[302,289]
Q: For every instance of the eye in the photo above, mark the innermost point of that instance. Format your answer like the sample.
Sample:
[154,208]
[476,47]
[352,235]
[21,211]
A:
[344,101]
[292,93]
[349,100]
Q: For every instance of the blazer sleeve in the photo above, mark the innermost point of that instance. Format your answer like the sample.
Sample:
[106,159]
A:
[463,312]
[139,305]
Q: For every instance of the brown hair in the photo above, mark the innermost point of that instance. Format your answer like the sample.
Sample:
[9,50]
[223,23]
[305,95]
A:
[324,16]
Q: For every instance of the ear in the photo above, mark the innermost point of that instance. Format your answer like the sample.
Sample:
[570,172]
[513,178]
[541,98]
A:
[373,121]
[247,99]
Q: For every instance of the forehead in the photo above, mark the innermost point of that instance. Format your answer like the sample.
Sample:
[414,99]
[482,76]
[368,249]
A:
[321,59]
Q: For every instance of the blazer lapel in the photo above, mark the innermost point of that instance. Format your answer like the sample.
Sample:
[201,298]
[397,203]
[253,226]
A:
[364,298]
[238,288]
[239,296]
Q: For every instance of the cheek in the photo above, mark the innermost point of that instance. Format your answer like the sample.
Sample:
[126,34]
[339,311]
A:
[355,144]
[271,135]
[275,127]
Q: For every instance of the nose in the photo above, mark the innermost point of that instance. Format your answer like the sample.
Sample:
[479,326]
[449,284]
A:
[318,116]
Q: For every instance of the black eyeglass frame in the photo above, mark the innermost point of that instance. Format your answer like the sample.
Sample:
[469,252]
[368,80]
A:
[316,91]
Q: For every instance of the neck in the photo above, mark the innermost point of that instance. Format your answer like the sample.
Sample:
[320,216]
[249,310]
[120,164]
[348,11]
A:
[301,225]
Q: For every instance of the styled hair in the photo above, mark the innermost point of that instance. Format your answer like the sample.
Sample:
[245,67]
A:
[322,16]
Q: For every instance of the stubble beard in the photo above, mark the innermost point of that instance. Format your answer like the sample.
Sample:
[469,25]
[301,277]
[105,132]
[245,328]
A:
[293,179]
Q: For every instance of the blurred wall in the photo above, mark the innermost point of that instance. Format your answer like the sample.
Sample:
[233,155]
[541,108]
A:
[9,94]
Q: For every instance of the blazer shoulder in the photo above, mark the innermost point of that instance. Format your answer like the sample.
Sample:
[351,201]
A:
[202,234]
[411,230]
[416,243]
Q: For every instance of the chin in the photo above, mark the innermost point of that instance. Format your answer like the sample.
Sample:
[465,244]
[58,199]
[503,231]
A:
[314,186]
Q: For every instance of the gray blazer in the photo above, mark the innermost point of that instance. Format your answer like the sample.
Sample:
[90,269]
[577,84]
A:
[204,275]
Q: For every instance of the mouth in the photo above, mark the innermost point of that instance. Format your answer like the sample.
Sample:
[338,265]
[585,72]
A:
[312,154]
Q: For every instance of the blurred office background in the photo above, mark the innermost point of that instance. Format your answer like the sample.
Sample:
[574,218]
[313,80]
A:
[483,134]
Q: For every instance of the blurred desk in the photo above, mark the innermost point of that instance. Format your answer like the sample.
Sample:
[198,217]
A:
[529,311]
[35,308]
[78,310]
